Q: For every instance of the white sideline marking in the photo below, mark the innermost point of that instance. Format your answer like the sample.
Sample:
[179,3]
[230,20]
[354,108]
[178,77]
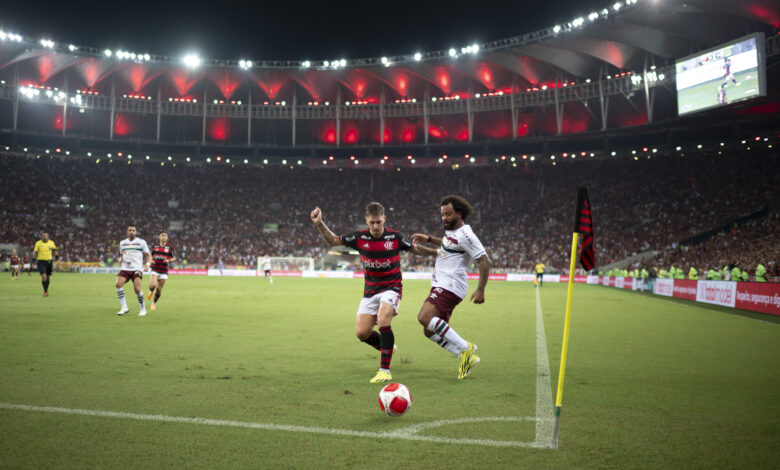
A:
[408,433]
[544,405]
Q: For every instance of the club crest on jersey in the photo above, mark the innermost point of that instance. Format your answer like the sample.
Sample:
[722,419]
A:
[388,245]
[365,245]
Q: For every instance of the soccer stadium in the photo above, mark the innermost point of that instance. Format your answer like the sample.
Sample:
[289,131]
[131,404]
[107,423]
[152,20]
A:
[615,175]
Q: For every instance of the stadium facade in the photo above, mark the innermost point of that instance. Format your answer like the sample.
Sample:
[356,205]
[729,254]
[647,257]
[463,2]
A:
[596,81]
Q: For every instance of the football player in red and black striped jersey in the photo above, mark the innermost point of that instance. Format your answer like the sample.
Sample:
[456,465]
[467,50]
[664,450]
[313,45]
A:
[162,254]
[15,266]
[379,249]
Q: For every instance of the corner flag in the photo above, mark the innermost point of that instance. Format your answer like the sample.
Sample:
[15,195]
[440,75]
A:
[583,223]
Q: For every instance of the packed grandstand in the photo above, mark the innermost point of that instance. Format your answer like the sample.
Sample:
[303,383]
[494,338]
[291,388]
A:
[235,213]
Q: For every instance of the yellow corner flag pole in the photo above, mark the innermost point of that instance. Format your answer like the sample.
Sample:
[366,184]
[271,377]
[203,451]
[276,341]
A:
[565,347]
[583,223]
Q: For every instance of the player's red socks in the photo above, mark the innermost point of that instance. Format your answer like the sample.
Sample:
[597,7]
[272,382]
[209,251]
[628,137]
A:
[373,340]
[386,341]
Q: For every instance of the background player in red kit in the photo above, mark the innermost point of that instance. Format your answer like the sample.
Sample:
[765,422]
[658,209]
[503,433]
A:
[379,249]
[15,265]
[26,264]
[162,255]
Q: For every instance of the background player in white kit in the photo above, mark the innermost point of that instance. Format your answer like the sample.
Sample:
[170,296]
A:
[132,251]
[449,284]
[267,268]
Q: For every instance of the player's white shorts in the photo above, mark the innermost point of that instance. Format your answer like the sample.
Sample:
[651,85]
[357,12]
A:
[14,267]
[370,305]
[160,276]
[27,267]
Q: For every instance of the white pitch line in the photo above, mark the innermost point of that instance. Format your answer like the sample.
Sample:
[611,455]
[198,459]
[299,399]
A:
[403,434]
[544,405]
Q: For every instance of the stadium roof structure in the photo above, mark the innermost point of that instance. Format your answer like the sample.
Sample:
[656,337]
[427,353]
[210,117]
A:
[608,70]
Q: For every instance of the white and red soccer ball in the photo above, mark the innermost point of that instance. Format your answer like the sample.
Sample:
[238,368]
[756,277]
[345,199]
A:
[395,399]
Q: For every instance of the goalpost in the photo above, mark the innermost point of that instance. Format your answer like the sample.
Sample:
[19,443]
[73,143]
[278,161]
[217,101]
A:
[286,263]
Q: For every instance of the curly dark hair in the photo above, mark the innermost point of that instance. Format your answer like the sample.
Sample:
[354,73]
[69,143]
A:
[460,204]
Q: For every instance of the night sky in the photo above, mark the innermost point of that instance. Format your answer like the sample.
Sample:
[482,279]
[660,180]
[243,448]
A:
[284,29]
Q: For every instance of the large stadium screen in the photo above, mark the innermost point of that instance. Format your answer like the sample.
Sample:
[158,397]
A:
[723,75]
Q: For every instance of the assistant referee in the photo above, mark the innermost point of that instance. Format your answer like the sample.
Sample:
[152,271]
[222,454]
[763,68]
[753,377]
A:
[43,253]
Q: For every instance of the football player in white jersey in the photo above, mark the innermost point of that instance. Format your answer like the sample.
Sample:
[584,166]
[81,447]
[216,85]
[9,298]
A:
[449,285]
[267,268]
[132,251]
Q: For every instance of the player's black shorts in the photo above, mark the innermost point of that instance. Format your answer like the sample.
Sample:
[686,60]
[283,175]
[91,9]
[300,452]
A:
[539,275]
[44,267]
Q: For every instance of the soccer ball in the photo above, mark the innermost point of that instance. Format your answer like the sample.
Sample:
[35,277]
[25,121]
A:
[395,399]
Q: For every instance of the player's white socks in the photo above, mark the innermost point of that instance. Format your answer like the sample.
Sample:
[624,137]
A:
[120,292]
[141,301]
[445,344]
[441,328]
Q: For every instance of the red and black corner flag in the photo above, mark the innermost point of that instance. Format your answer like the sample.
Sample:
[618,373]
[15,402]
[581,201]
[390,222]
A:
[583,223]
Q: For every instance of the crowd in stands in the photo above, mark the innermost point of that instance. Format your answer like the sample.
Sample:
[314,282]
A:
[235,213]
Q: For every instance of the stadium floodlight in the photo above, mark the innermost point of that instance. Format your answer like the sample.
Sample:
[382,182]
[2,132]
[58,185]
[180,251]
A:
[71,47]
[245,64]
[192,60]
[453,52]
[147,57]
[557,29]
[284,162]
[306,64]
[661,76]
[343,62]
[417,56]
[326,63]
[474,48]
[47,43]
[132,55]
[107,52]
[384,60]
[578,22]
[593,16]
[265,161]
[617,6]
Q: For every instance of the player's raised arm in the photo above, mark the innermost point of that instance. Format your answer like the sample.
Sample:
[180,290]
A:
[327,234]
[423,238]
[422,250]
[478,296]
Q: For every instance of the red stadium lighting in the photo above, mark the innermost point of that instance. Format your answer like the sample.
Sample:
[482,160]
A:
[351,157]
[351,136]
[330,136]
[219,158]
[444,157]
[330,157]
[408,135]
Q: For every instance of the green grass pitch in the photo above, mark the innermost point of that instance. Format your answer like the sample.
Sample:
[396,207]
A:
[706,95]
[650,382]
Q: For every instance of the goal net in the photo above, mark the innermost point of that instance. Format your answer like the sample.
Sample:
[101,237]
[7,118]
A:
[288,263]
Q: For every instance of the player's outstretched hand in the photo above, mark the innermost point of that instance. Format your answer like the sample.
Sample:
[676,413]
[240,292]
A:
[478,296]
[316,215]
[419,238]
